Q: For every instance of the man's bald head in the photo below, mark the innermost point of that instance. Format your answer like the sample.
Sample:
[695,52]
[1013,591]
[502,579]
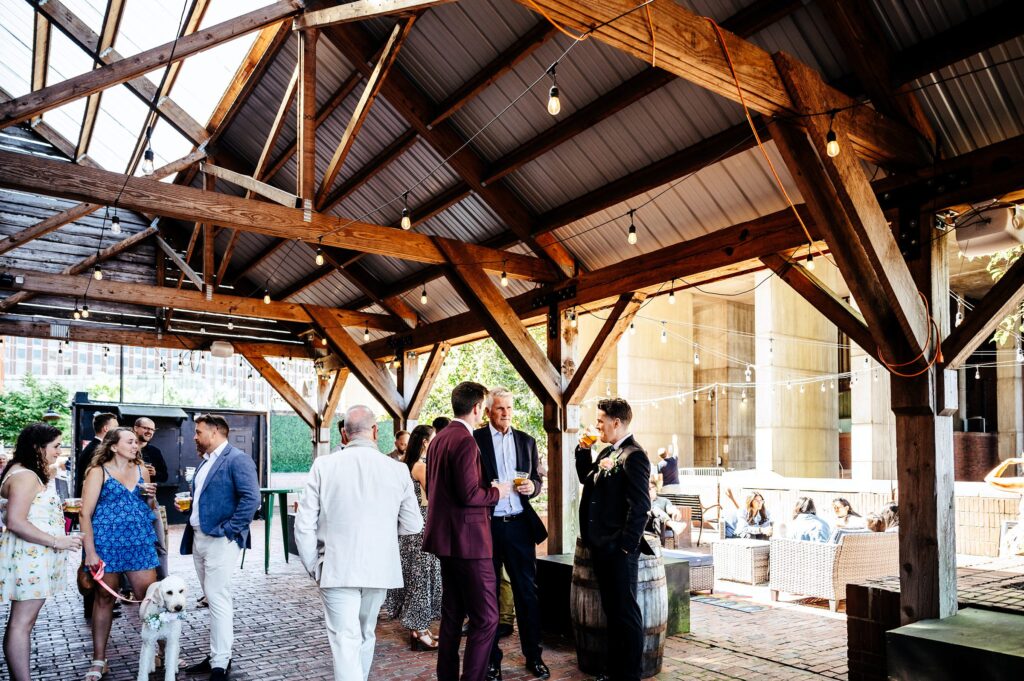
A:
[360,422]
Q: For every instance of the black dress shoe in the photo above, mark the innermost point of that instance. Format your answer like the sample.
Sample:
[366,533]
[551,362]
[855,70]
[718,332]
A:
[504,630]
[538,669]
[493,672]
[220,674]
[199,667]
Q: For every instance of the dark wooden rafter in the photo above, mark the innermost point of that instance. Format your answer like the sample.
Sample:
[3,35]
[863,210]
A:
[90,332]
[155,296]
[85,264]
[52,178]
[1002,300]
[305,173]
[141,86]
[416,108]
[484,299]
[30,105]
[360,10]
[58,220]
[283,388]
[688,46]
[861,37]
[372,375]
[429,374]
[519,50]
[843,203]
[374,81]
[824,299]
[619,319]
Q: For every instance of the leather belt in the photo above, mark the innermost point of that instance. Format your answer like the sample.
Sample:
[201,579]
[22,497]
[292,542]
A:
[507,518]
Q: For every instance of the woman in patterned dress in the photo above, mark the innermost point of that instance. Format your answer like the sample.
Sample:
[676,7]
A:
[33,550]
[419,602]
[118,503]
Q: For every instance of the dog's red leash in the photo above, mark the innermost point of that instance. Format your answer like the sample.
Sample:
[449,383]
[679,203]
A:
[97,572]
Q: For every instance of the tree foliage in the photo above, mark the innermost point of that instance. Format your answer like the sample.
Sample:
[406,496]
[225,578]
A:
[291,444]
[484,363]
[19,408]
[997,266]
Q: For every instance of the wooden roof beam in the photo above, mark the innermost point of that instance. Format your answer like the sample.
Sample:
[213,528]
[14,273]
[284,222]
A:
[619,319]
[430,372]
[52,178]
[688,46]
[108,33]
[40,51]
[360,10]
[25,107]
[387,155]
[1001,300]
[362,109]
[282,387]
[407,98]
[305,127]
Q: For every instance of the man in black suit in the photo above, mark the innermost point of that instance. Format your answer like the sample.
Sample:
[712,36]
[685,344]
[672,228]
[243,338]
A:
[516,528]
[613,511]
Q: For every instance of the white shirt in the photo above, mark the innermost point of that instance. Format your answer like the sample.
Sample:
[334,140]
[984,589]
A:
[200,481]
[624,438]
[465,423]
[505,461]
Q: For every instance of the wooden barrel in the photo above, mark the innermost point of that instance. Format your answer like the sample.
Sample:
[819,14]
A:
[588,620]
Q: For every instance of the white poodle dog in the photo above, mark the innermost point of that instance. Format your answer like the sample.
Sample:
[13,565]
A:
[161,613]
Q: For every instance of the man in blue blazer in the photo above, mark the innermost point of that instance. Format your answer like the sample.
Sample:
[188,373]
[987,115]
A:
[225,497]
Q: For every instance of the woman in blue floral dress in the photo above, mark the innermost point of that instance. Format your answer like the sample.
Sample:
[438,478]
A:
[118,503]
[33,550]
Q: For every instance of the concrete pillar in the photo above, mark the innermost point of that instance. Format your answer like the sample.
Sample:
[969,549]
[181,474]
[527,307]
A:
[723,426]
[797,432]
[1009,409]
[873,430]
[643,369]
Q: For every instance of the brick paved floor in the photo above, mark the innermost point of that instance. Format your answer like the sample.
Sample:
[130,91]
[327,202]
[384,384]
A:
[279,635]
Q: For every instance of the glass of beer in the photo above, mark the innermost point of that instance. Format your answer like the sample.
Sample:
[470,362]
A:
[73,505]
[588,437]
[183,501]
[519,477]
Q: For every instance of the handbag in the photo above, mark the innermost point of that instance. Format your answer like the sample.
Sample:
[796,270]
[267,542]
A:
[86,582]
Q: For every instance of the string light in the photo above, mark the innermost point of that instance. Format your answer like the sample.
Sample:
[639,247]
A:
[266,296]
[573,323]
[771,346]
[672,294]
[366,333]
[831,140]
[97,273]
[76,314]
[809,263]
[696,358]
[319,259]
[85,312]
[504,276]
[664,333]
[554,102]
[115,225]
[823,386]
[423,295]
[632,328]
[148,157]
[801,388]
[631,235]
[397,363]
[959,319]
[747,373]
[406,219]
[323,341]
[231,326]
[977,373]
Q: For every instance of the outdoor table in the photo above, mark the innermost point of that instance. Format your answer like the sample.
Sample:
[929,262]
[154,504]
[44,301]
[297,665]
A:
[268,514]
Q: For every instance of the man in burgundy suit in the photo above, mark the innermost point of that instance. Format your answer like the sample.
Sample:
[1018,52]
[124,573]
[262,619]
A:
[458,531]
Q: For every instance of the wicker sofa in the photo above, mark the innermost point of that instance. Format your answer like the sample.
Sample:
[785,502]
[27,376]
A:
[823,570]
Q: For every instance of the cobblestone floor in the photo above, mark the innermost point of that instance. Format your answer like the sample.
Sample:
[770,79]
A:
[279,635]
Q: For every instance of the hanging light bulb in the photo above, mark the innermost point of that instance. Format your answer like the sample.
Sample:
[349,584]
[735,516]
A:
[977,373]
[504,276]
[631,235]
[572,319]
[789,385]
[771,346]
[97,273]
[323,341]
[695,397]
[809,263]
[115,225]
[406,220]
[423,295]
[76,314]
[959,312]
[709,394]
[823,386]
[664,333]
[231,326]
[266,296]
[831,140]
[672,294]
[85,312]
[608,388]
[397,363]
[319,259]
[746,374]
[696,358]
[832,384]
[743,394]
[632,328]
[554,102]
[148,156]
[366,333]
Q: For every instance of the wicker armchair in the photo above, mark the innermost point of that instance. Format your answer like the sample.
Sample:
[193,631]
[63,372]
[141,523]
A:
[823,570]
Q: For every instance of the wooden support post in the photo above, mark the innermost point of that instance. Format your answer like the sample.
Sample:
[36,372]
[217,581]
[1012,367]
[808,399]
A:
[283,388]
[407,377]
[306,171]
[561,422]
[924,407]
[430,372]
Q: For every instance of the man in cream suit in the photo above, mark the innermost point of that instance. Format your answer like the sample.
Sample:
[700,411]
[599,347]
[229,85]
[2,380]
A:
[355,505]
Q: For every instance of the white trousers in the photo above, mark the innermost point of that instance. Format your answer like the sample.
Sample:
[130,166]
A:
[215,559]
[351,615]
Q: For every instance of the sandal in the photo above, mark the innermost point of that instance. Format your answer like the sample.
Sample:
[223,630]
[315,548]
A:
[422,640]
[93,674]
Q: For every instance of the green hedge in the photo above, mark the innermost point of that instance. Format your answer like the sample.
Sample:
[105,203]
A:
[291,441]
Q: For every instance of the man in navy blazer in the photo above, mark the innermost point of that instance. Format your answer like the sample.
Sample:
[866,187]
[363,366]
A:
[516,528]
[225,496]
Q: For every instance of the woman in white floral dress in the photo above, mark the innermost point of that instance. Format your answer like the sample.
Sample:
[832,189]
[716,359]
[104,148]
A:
[33,550]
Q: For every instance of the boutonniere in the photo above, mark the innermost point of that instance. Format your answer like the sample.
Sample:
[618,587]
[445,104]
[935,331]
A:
[609,465]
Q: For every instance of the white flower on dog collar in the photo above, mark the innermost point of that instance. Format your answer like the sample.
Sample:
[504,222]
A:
[157,619]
